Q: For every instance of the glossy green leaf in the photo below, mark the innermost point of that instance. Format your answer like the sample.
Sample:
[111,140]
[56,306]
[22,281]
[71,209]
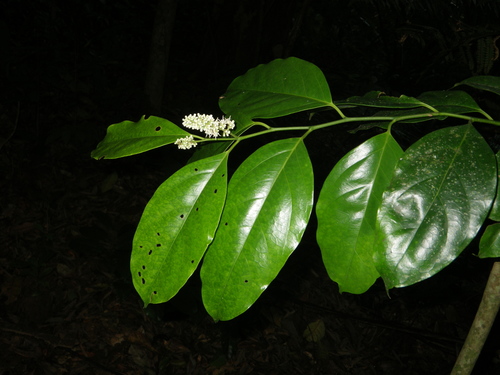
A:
[129,138]
[176,228]
[347,211]
[489,245]
[439,196]
[268,206]
[279,88]
[487,83]
[495,209]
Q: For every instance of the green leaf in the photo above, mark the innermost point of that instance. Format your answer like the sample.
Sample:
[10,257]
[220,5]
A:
[268,206]
[439,196]
[487,83]
[315,331]
[489,246]
[380,100]
[129,138]
[495,209]
[443,101]
[429,116]
[347,211]
[369,125]
[456,101]
[279,88]
[209,149]
[177,226]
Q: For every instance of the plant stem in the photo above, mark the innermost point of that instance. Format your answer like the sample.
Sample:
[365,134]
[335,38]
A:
[481,326]
[390,119]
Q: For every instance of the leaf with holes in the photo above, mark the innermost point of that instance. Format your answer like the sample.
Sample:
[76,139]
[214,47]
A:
[439,197]
[268,206]
[347,211]
[130,138]
[279,88]
[176,228]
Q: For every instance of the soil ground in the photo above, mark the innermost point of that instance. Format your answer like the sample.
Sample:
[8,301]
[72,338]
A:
[67,305]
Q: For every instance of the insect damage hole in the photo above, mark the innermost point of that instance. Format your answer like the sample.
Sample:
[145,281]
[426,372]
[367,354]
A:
[158,128]
[143,281]
[150,252]
[158,245]
[215,191]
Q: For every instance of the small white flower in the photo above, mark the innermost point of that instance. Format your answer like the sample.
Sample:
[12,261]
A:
[198,121]
[226,125]
[185,143]
[207,124]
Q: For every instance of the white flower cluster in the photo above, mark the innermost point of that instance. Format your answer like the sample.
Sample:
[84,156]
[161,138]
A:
[206,123]
[185,143]
[209,125]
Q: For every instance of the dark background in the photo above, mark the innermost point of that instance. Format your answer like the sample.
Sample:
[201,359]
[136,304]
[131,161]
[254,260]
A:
[68,69]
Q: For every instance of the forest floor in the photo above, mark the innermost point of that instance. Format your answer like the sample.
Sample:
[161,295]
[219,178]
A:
[67,305]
